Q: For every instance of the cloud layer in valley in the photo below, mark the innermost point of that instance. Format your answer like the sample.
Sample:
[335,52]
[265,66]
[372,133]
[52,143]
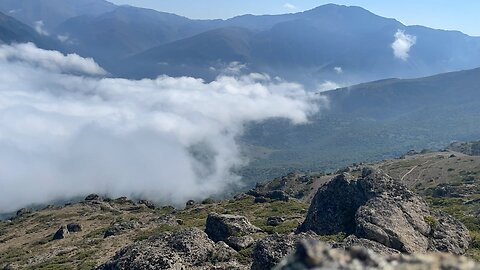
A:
[65,131]
[402,45]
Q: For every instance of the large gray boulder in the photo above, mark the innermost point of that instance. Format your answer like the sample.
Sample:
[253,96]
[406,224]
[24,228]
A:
[221,227]
[376,207]
[449,235]
[311,254]
[396,223]
[334,206]
[184,249]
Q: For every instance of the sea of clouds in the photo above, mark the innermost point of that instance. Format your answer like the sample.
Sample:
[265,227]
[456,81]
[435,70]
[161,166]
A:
[68,130]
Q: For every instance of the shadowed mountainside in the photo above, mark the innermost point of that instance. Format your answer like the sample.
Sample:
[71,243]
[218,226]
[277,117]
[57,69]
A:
[371,122]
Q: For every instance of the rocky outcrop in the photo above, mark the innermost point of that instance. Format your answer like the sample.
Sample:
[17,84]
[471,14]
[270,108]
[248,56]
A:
[93,197]
[277,195]
[376,207]
[270,250]
[222,227]
[311,254]
[147,203]
[396,223]
[334,206]
[467,148]
[274,195]
[185,249]
[449,235]
[63,231]
[23,212]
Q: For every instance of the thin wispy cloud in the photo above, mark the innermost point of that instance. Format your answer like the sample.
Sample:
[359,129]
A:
[402,45]
[328,85]
[338,70]
[39,28]
[166,139]
[289,6]
[63,38]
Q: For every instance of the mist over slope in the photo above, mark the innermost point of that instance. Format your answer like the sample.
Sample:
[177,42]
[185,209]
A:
[14,31]
[167,139]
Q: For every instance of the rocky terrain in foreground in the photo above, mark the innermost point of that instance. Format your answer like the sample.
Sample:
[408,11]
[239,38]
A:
[388,215]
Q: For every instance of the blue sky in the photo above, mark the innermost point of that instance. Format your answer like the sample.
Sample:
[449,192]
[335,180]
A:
[463,15]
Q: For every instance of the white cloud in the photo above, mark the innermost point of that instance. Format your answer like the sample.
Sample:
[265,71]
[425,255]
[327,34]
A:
[38,26]
[328,85]
[338,70]
[234,68]
[168,139]
[63,38]
[29,54]
[289,6]
[402,45]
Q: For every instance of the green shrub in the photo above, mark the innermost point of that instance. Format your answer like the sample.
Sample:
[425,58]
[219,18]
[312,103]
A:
[431,221]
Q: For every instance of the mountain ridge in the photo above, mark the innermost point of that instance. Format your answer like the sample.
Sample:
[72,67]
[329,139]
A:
[327,43]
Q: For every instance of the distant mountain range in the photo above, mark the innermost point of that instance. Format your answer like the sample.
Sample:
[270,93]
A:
[344,45]
[12,31]
[52,13]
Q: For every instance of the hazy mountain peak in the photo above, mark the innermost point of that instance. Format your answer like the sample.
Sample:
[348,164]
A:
[11,30]
[136,13]
[52,12]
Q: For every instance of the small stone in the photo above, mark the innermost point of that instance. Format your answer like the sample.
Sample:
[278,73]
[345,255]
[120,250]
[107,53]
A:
[147,203]
[9,267]
[61,233]
[92,197]
[74,227]
[123,200]
[275,221]
[120,228]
